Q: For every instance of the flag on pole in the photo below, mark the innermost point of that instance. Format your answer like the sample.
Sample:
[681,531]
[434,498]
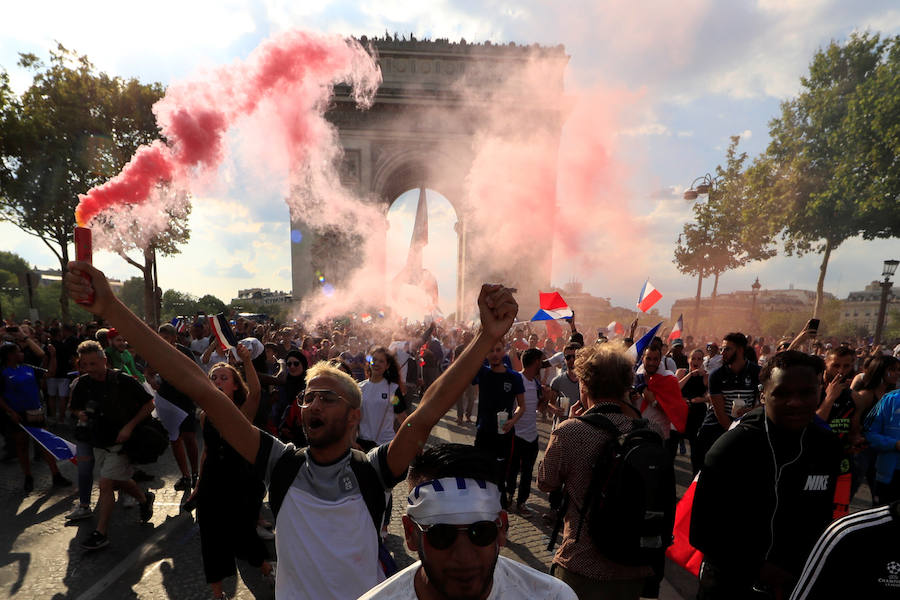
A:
[552,306]
[676,331]
[637,348]
[649,296]
[366,318]
[223,332]
[60,449]
[615,328]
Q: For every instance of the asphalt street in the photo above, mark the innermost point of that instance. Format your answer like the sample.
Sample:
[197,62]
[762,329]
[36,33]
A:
[40,556]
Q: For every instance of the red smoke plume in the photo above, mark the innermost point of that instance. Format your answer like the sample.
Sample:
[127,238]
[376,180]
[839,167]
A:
[195,116]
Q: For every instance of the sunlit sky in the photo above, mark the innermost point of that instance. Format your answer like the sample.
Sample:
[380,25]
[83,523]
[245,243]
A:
[704,69]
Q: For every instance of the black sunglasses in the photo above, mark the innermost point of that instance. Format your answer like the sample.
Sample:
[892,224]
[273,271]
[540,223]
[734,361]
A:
[293,363]
[441,535]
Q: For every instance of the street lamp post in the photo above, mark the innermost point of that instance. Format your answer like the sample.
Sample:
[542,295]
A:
[700,186]
[755,287]
[890,267]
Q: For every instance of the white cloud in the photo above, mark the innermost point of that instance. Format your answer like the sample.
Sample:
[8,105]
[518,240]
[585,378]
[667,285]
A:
[647,129]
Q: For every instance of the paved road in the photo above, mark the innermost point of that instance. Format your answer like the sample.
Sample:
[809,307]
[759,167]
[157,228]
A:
[40,557]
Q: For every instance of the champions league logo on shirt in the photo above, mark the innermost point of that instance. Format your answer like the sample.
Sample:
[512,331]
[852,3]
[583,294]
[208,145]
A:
[893,578]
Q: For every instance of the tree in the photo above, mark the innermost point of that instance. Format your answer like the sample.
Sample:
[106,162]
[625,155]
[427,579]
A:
[211,305]
[175,303]
[824,177]
[132,295]
[728,232]
[71,130]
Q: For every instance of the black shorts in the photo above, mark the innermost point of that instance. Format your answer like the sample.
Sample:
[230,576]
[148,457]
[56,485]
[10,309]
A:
[189,425]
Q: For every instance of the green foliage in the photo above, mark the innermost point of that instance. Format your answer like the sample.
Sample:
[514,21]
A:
[132,294]
[46,301]
[13,263]
[210,304]
[71,130]
[175,304]
[829,173]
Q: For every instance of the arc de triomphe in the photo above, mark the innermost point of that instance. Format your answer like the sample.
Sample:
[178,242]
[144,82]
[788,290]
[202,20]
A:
[420,133]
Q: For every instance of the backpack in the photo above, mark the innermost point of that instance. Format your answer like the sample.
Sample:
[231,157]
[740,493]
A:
[630,502]
[288,466]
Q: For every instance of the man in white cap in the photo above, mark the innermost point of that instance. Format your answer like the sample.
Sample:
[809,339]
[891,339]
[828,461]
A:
[456,525]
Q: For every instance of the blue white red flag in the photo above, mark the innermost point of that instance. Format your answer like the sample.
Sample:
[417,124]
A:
[637,348]
[676,331]
[649,296]
[615,328]
[366,318]
[552,307]
[223,332]
[60,449]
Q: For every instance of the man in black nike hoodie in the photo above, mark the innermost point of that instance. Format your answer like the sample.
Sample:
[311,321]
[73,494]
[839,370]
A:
[766,489]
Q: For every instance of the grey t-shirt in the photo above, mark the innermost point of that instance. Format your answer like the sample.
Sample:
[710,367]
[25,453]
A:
[564,386]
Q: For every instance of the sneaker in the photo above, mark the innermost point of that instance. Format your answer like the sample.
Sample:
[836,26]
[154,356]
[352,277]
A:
[80,512]
[147,507]
[60,481]
[183,484]
[95,541]
[29,484]
[524,511]
[263,533]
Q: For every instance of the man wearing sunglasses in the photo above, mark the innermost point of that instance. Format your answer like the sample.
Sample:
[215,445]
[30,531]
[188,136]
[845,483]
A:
[455,524]
[327,544]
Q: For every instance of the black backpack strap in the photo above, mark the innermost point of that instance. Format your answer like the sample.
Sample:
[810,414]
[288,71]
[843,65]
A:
[370,486]
[597,420]
[283,473]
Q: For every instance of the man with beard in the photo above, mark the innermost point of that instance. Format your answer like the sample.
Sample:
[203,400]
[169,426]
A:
[765,492]
[455,524]
[733,391]
[326,540]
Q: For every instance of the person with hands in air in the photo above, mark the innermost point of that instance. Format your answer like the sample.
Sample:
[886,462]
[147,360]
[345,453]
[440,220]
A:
[326,539]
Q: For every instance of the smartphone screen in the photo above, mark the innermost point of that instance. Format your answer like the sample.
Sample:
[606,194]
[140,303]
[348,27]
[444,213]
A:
[812,324]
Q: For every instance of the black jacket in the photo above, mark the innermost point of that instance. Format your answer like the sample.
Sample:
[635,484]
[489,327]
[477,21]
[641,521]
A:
[736,507]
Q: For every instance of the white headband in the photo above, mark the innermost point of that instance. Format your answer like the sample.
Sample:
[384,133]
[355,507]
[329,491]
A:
[453,500]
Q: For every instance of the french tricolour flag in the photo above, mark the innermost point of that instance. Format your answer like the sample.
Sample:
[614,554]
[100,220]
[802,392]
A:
[60,449]
[552,307]
[649,296]
[637,348]
[676,331]
[223,332]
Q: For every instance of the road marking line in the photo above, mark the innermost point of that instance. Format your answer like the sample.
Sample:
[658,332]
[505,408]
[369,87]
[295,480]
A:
[133,557]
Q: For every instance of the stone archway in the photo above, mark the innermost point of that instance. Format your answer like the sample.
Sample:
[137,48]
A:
[419,133]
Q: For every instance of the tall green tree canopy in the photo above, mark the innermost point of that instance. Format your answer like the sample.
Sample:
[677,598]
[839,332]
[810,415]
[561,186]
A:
[830,172]
[71,130]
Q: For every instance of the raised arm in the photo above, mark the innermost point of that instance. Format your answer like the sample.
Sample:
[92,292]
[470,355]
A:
[498,310]
[166,359]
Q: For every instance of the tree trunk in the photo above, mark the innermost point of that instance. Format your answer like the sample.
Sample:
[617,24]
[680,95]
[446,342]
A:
[696,328]
[64,315]
[149,290]
[820,286]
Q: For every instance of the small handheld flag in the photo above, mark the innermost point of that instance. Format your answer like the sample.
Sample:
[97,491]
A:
[637,348]
[223,332]
[649,296]
[60,449]
[552,307]
[676,331]
[615,328]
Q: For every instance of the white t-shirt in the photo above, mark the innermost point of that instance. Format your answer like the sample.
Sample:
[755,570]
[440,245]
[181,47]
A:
[512,581]
[199,346]
[526,427]
[326,542]
[377,421]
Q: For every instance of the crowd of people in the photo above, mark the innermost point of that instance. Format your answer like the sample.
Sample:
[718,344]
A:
[325,420]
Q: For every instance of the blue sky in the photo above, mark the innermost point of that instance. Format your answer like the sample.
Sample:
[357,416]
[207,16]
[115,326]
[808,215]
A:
[704,69]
